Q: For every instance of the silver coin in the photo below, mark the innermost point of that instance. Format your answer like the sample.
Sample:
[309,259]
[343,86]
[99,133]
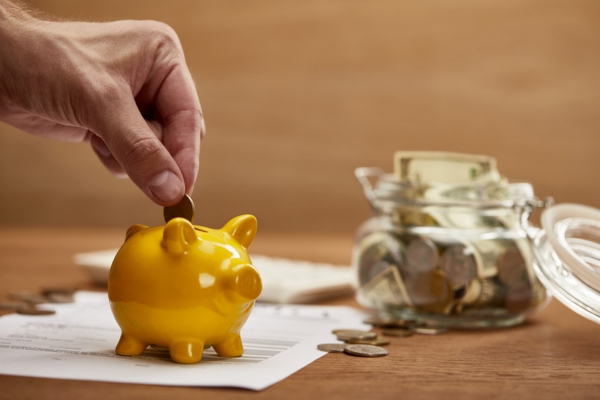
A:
[365,350]
[331,347]
[57,290]
[378,341]
[346,335]
[184,209]
[422,255]
[511,266]
[60,298]
[397,332]
[459,265]
[432,291]
[34,311]
[29,297]
[430,331]
[377,252]
[11,305]
[389,322]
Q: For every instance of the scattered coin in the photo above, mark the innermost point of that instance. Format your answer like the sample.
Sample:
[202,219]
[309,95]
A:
[397,332]
[365,350]
[11,305]
[378,341]
[183,209]
[60,297]
[34,311]
[331,347]
[430,331]
[389,322]
[29,297]
[345,335]
[57,290]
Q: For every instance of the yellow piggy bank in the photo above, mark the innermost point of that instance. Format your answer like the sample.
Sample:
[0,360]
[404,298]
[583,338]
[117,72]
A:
[184,287]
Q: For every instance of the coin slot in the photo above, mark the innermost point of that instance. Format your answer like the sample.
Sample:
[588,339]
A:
[200,229]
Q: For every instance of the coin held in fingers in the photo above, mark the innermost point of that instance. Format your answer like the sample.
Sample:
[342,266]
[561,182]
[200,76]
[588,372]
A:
[183,209]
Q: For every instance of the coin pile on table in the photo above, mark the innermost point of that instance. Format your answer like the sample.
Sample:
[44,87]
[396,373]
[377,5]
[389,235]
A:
[368,343]
[25,302]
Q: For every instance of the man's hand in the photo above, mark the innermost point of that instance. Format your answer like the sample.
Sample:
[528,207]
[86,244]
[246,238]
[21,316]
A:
[123,86]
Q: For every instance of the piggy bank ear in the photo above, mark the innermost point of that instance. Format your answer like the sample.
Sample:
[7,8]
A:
[242,229]
[133,229]
[178,235]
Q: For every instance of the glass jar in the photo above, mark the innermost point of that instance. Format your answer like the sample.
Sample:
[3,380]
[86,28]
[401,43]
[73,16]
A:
[449,243]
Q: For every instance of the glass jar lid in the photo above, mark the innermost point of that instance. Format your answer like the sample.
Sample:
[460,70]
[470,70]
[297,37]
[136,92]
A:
[567,257]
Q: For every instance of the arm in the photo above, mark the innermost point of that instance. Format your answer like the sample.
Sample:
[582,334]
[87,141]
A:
[122,86]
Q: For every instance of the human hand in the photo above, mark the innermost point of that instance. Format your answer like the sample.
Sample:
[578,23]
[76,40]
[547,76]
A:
[123,86]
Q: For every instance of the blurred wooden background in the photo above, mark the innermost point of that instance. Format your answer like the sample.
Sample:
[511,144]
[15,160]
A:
[297,94]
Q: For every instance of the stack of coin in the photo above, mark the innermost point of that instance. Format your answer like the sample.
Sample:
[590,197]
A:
[353,336]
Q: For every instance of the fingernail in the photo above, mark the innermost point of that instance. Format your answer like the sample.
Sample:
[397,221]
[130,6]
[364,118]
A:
[166,186]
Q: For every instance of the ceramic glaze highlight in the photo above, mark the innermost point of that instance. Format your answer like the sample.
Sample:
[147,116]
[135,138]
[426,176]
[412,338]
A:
[184,287]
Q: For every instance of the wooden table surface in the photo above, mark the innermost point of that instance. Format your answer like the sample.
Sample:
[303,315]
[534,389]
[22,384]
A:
[555,354]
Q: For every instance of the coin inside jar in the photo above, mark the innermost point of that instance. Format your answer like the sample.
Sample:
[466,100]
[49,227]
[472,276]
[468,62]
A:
[511,266]
[378,252]
[459,265]
[422,255]
[183,209]
[432,291]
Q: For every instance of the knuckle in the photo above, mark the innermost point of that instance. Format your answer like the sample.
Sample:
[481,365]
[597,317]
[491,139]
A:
[141,152]
[162,35]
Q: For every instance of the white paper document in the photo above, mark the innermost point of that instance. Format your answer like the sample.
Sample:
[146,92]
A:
[78,342]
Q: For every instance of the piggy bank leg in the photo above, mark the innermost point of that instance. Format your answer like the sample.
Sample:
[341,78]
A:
[130,346]
[230,347]
[186,352]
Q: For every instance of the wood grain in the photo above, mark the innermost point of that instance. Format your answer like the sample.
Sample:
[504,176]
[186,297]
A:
[299,94]
[554,355]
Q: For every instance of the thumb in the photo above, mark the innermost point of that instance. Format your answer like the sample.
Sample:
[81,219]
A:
[141,154]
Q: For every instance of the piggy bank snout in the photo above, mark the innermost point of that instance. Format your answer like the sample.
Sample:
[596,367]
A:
[246,282]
